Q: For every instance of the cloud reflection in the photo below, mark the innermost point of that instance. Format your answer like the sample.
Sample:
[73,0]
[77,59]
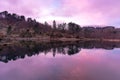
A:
[85,67]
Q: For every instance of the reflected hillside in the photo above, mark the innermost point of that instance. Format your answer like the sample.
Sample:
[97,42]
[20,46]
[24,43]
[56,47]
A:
[21,49]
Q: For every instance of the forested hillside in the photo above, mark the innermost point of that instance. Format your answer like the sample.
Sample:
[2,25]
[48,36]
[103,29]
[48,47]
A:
[17,26]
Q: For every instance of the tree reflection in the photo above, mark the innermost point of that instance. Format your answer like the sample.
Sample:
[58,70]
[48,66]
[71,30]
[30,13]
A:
[72,50]
[29,48]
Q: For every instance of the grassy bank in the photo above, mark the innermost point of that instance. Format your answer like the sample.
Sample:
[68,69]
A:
[49,39]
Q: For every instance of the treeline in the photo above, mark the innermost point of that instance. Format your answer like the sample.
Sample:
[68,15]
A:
[23,27]
[14,25]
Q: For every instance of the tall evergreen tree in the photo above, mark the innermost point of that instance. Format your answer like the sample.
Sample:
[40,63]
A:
[54,24]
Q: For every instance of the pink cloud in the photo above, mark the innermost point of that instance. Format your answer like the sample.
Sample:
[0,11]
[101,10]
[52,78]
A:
[24,7]
[84,12]
[91,12]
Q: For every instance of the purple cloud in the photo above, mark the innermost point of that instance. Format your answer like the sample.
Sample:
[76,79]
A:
[85,12]
[25,7]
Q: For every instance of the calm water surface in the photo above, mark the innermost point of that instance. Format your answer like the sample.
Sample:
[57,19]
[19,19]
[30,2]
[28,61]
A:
[85,64]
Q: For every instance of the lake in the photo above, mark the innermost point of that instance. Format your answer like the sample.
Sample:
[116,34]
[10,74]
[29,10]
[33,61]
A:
[60,61]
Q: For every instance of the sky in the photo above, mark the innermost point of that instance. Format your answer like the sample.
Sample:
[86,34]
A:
[83,12]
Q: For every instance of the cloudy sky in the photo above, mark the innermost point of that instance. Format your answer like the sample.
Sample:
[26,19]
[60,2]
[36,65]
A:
[83,12]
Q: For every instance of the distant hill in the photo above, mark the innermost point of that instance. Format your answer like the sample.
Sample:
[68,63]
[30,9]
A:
[19,23]
[17,26]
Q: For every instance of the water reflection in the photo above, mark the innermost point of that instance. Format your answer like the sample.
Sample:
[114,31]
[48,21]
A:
[92,61]
[23,48]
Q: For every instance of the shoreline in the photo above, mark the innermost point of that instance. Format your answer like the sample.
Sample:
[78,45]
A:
[47,39]
[17,41]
